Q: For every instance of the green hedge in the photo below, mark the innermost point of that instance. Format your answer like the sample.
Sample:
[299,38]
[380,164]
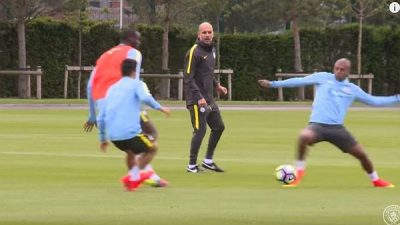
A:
[8,54]
[54,44]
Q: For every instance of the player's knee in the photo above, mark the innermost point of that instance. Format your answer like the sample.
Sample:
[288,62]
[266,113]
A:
[154,135]
[358,152]
[307,136]
[154,147]
[220,128]
[201,132]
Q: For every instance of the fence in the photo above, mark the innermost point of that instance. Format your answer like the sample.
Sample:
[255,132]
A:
[38,73]
[178,76]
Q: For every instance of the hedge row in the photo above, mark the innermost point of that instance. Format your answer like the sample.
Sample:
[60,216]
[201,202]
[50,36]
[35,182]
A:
[54,44]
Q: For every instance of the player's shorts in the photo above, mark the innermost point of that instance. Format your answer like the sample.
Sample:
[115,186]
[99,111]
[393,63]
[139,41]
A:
[138,144]
[334,134]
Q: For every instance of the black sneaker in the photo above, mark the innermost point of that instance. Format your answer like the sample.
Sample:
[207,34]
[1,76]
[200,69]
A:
[212,166]
[195,169]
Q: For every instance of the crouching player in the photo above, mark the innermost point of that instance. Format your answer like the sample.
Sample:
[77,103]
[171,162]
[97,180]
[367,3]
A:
[119,121]
[106,73]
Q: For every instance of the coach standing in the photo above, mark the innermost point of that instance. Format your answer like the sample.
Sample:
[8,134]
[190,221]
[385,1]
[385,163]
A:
[199,83]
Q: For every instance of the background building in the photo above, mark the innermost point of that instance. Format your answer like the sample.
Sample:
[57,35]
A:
[110,10]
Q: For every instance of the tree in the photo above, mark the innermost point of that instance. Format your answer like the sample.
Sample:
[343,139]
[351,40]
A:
[19,12]
[163,12]
[76,15]
[363,9]
[217,7]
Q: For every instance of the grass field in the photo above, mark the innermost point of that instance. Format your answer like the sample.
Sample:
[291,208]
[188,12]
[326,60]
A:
[53,173]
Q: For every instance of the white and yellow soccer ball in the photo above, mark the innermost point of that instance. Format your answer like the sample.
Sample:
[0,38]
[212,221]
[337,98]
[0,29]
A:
[285,174]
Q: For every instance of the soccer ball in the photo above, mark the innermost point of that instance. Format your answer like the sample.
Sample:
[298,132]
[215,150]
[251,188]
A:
[285,174]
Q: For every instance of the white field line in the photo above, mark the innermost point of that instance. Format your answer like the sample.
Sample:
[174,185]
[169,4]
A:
[267,160]
[68,155]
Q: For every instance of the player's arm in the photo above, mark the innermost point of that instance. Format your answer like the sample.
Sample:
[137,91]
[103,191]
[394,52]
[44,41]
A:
[221,89]
[91,121]
[292,82]
[101,124]
[190,68]
[137,56]
[144,96]
[368,99]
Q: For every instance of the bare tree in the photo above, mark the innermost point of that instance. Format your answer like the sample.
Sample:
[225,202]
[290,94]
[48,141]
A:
[19,12]
[363,9]
[217,7]
[163,12]
[296,38]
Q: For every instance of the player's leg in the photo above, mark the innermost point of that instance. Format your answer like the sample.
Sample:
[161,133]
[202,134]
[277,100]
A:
[147,125]
[307,137]
[358,152]
[144,149]
[132,181]
[150,130]
[343,139]
[199,123]
[130,159]
[214,120]
[151,150]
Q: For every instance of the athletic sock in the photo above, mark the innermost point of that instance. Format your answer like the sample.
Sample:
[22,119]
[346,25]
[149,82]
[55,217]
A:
[192,166]
[134,173]
[154,176]
[148,167]
[300,164]
[208,161]
[373,176]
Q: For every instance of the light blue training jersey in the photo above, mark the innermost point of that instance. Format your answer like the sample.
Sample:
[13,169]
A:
[119,111]
[333,98]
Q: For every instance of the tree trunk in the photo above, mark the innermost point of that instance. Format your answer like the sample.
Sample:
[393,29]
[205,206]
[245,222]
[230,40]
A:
[298,68]
[165,83]
[23,80]
[218,42]
[360,28]
[152,11]
[296,38]
[165,42]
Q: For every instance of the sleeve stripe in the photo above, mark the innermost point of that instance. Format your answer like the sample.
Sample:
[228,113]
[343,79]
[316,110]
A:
[190,58]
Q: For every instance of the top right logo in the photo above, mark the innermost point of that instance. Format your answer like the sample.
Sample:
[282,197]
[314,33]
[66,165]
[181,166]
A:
[394,7]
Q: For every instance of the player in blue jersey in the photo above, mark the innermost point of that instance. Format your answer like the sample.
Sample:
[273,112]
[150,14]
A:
[106,73]
[333,97]
[119,121]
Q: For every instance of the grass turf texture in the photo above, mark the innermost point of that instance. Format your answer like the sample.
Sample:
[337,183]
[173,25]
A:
[53,173]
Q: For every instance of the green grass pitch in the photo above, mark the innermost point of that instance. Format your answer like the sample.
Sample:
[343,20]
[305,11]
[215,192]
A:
[51,172]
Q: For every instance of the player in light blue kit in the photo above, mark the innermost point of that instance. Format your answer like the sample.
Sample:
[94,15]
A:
[119,121]
[333,97]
